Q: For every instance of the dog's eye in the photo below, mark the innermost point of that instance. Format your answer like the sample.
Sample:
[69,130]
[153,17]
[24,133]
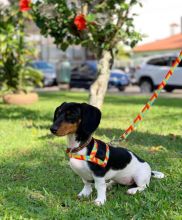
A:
[71,117]
[68,113]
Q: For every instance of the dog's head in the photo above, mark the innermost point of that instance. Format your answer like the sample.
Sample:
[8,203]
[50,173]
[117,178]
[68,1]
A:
[70,118]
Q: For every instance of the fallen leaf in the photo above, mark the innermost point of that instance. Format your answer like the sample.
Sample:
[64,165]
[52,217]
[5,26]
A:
[173,136]
[157,149]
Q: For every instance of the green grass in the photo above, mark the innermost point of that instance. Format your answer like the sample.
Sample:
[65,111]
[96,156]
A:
[36,181]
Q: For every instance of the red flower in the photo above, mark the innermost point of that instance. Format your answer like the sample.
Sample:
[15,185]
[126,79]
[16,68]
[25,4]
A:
[80,22]
[24,5]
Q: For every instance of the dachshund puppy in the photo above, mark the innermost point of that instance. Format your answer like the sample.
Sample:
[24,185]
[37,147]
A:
[78,121]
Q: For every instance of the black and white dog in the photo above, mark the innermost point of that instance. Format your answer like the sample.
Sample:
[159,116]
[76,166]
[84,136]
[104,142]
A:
[78,122]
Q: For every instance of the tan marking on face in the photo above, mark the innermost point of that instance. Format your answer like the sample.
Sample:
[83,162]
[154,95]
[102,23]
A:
[67,128]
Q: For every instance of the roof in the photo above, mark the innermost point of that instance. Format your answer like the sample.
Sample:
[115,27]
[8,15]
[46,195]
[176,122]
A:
[170,43]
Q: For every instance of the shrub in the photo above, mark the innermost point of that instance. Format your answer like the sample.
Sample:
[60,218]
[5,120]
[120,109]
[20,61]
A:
[15,76]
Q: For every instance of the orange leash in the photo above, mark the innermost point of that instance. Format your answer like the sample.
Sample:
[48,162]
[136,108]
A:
[152,99]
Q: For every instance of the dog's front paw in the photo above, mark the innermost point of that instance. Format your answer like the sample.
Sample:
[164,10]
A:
[99,202]
[85,193]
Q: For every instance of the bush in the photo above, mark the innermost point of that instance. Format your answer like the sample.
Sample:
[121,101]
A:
[15,76]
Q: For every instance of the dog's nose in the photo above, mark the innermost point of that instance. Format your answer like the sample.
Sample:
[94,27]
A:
[53,130]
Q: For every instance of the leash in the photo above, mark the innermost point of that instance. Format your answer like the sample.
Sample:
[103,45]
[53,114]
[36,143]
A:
[151,101]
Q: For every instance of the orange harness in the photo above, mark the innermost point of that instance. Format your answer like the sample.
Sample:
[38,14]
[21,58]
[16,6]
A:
[92,157]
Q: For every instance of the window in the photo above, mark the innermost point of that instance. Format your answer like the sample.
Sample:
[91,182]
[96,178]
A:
[173,59]
[162,61]
[180,64]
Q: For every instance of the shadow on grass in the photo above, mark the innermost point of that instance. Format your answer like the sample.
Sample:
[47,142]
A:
[68,96]
[138,100]
[171,142]
[34,180]
[28,118]
[20,112]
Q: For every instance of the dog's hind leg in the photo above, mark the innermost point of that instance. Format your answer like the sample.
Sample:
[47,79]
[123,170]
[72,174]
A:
[141,179]
[87,189]
[110,184]
[133,191]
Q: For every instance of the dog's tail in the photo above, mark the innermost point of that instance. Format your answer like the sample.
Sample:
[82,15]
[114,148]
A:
[157,174]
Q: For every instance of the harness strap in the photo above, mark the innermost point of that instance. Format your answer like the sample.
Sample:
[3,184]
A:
[92,157]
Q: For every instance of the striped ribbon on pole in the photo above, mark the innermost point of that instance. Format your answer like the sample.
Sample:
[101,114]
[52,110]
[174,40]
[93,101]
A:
[152,99]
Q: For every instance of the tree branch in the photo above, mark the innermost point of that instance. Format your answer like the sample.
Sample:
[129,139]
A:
[120,23]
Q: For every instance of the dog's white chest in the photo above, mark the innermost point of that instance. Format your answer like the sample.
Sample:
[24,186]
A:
[81,168]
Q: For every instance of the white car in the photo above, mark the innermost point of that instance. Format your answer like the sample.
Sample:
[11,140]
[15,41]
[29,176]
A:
[153,71]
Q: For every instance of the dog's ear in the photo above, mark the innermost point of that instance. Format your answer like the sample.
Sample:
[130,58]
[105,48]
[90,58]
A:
[58,109]
[90,118]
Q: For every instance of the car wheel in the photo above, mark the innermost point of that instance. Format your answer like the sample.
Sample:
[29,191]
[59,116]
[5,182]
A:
[121,88]
[146,86]
[169,89]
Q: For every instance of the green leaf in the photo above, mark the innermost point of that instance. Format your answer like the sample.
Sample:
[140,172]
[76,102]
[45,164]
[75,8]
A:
[2,37]
[124,6]
[90,17]
[64,46]
[3,47]
[140,4]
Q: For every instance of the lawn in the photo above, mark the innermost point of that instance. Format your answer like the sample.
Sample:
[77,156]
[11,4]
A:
[36,181]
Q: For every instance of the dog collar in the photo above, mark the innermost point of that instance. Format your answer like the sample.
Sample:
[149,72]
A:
[92,157]
[75,150]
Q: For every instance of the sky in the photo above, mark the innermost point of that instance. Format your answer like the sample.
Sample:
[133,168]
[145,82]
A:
[155,17]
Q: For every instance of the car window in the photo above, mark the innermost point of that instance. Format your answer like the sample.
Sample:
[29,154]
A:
[162,61]
[84,68]
[180,64]
[173,59]
[115,74]
[79,67]
[92,65]
[43,65]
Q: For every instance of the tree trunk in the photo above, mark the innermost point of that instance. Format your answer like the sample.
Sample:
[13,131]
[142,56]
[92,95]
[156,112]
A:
[99,87]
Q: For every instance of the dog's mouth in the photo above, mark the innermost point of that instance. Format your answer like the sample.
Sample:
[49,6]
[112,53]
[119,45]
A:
[61,134]
[65,129]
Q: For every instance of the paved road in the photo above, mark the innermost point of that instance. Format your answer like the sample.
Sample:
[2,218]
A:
[130,90]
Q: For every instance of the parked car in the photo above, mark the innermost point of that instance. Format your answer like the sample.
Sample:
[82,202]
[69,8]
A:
[118,79]
[47,69]
[83,76]
[131,73]
[153,71]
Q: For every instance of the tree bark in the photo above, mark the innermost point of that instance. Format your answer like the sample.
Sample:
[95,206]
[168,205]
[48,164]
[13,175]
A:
[99,87]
